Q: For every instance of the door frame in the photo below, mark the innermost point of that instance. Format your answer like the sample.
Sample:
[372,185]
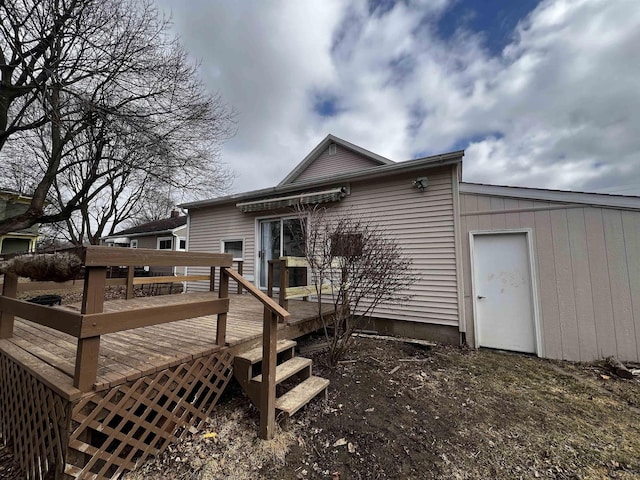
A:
[535,298]
[258,240]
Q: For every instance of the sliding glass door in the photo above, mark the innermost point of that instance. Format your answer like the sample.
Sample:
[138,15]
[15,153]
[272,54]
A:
[281,237]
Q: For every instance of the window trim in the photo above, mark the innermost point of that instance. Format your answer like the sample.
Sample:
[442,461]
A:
[133,243]
[161,239]
[234,239]
[181,239]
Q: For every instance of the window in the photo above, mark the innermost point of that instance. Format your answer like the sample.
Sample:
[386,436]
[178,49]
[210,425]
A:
[234,247]
[165,243]
[182,244]
[134,244]
[346,245]
[332,149]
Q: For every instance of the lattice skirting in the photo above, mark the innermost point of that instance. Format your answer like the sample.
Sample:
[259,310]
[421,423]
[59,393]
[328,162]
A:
[105,434]
[34,420]
[114,430]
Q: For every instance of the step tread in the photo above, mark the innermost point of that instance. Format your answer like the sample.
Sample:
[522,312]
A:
[300,395]
[287,369]
[255,355]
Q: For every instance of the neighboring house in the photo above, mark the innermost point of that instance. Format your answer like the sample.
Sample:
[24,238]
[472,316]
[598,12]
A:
[13,203]
[165,234]
[546,272]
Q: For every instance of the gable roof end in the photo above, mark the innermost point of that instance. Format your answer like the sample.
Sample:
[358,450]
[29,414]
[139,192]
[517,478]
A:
[322,146]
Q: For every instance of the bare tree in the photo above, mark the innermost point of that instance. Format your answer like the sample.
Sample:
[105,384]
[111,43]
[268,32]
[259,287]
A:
[97,101]
[355,268]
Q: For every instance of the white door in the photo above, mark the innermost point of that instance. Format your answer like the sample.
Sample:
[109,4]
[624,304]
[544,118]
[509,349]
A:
[502,286]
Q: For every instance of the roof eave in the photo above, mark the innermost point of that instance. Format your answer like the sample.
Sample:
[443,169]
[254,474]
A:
[369,173]
[561,196]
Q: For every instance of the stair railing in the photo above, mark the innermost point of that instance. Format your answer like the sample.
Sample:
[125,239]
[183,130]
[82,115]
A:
[272,312]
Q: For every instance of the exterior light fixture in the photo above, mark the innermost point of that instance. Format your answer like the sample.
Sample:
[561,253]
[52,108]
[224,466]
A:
[421,183]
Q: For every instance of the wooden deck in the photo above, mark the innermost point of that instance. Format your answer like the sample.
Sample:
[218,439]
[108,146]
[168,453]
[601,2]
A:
[128,355]
[92,390]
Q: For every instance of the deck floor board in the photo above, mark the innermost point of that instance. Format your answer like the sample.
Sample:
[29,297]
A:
[134,353]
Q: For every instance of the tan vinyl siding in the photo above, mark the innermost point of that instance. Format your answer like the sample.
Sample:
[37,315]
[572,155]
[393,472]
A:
[422,222]
[343,161]
[586,260]
[209,226]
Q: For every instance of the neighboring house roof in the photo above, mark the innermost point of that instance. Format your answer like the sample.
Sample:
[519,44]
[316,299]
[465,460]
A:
[564,196]
[373,158]
[165,225]
[383,170]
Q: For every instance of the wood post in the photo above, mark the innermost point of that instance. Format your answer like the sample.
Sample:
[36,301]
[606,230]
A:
[268,385]
[212,279]
[270,279]
[223,292]
[9,289]
[284,284]
[240,266]
[130,274]
[89,348]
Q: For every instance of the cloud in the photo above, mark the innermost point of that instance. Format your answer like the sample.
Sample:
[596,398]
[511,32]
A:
[553,103]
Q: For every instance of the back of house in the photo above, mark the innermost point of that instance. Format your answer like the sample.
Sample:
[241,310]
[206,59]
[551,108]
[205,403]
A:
[555,274]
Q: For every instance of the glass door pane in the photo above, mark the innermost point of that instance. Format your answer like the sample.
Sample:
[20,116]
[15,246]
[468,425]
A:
[269,249]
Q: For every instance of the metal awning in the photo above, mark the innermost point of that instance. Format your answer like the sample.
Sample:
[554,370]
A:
[311,198]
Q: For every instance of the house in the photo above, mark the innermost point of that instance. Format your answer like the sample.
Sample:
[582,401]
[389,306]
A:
[164,234]
[13,203]
[552,273]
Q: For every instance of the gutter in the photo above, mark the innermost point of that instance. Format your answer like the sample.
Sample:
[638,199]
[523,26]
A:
[367,174]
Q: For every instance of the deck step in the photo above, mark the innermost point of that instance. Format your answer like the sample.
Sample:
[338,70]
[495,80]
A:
[299,396]
[287,369]
[255,355]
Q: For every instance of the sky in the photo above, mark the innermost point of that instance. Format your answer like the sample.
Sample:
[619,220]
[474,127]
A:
[538,93]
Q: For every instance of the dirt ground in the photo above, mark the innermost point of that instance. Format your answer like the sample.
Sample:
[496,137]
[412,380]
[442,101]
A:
[444,413]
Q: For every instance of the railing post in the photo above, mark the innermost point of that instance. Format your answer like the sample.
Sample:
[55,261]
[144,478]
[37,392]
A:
[212,279]
[89,348]
[10,290]
[270,278]
[268,386]
[240,264]
[284,284]
[223,292]
[131,271]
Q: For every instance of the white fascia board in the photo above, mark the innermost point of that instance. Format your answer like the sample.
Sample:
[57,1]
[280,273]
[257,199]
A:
[562,196]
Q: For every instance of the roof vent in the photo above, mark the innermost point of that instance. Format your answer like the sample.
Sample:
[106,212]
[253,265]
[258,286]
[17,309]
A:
[332,149]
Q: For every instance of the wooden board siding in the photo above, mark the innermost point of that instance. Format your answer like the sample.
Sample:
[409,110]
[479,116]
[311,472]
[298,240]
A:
[343,161]
[422,222]
[587,262]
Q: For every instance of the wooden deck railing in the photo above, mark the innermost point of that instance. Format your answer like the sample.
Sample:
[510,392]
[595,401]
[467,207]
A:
[272,313]
[286,292]
[130,281]
[91,322]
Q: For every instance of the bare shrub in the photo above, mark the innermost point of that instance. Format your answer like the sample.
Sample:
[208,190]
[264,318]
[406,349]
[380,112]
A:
[359,268]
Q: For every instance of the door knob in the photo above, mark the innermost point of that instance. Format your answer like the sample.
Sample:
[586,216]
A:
[480,297]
